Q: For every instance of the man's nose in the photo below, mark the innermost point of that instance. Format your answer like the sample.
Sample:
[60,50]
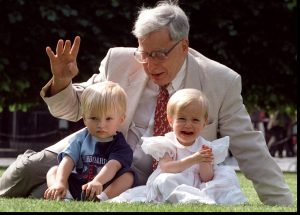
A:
[151,64]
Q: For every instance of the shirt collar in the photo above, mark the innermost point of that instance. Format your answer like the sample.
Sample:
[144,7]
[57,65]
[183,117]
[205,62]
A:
[175,85]
[196,146]
[103,140]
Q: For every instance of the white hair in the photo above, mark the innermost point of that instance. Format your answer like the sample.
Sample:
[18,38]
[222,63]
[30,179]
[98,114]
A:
[166,13]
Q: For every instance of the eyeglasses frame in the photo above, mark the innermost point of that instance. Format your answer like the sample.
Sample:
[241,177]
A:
[150,55]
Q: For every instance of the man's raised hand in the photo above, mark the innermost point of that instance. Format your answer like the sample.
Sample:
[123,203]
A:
[63,64]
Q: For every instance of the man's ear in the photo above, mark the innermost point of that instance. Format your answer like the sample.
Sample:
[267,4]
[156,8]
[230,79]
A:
[170,121]
[185,46]
[122,120]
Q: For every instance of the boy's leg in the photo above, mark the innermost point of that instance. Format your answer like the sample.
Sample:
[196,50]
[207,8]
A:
[51,176]
[27,175]
[51,179]
[120,185]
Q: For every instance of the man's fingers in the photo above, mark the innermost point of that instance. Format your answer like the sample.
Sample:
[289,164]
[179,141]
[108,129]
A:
[75,47]
[67,47]
[59,48]
[50,53]
[73,68]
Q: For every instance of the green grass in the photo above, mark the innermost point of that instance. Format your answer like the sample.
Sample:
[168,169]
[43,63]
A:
[254,205]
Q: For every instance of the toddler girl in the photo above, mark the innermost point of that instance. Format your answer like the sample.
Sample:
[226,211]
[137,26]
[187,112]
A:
[187,171]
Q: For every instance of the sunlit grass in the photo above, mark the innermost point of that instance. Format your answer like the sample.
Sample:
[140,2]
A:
[254,205]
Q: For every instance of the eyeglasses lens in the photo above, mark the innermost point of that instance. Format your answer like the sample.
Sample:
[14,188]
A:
[157,56]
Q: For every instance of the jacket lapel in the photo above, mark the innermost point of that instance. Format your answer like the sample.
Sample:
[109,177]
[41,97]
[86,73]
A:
[137,83]
[192,79]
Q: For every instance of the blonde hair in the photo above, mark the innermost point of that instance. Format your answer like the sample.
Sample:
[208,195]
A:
[104,98]
[182,98]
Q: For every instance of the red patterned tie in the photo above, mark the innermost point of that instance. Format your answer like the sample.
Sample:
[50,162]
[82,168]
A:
[161,125]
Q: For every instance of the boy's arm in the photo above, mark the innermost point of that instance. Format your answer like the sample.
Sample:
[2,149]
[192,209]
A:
[108,171]
[63,172]
[65,168]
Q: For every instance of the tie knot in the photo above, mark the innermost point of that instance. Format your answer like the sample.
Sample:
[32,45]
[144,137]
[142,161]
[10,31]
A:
[164,87]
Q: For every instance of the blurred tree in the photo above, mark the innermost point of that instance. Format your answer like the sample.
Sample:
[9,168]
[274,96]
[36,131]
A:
[257,39]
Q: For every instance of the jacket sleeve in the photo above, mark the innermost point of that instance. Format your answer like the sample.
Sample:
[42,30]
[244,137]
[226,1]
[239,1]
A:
[66,104]
[250,150]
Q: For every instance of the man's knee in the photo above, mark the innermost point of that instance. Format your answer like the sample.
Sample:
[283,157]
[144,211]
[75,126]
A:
[23,166]
[33,163]
[28,171]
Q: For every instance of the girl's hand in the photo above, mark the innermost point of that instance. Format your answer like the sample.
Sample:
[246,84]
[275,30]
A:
[207,147]
[53,192]
[93,187]
[204,155]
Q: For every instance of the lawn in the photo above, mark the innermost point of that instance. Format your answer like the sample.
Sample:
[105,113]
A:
[254,205]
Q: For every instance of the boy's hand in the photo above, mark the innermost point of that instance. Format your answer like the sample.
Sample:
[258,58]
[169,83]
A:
[52,192]
[204,155]
[93,187]
[63,64]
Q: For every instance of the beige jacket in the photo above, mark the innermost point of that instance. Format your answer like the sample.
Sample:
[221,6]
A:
[221,85]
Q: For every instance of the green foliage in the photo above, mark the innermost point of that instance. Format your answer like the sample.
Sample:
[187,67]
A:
[255,38]
[258,40]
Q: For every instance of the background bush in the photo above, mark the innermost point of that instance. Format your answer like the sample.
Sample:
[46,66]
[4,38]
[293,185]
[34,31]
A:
[255,38]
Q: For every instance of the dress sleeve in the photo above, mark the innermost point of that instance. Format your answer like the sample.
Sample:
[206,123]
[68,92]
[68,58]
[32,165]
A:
[158,146]
[219,149]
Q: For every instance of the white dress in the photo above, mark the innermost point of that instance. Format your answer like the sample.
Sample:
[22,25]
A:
[186,187]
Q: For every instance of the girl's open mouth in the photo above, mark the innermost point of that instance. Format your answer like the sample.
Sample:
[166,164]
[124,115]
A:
[187,133]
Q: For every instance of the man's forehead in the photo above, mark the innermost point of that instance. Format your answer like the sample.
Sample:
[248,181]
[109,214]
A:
[157,45]
[155,41]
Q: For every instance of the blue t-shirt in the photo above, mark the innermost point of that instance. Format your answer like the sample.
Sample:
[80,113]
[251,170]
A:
[90,156]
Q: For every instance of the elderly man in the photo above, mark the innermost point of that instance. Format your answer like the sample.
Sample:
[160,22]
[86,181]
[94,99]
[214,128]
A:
[162,64]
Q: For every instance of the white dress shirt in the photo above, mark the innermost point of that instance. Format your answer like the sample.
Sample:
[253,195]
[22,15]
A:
[143,119]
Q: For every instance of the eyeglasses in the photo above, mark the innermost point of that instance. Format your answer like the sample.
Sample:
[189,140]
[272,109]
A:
[158,56]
